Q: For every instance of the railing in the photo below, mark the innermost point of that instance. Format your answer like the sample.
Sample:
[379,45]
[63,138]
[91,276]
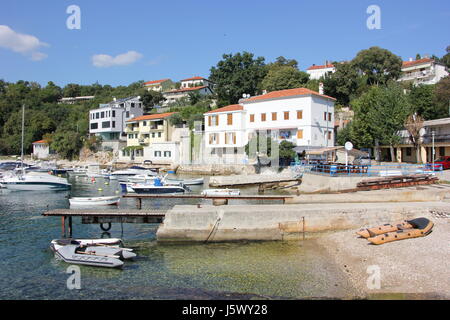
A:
[338,169]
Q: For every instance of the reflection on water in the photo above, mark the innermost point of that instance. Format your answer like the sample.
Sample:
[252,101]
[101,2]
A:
[189,271]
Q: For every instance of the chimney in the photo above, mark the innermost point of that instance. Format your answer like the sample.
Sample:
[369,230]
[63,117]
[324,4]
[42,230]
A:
[320,88]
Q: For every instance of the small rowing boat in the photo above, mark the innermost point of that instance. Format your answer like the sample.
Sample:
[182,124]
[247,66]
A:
[99,248]
[407,229]
[94,201]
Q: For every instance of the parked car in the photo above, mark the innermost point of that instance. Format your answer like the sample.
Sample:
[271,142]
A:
[444,161]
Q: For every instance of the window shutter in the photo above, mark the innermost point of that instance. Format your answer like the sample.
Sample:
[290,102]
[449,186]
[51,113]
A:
[209,121]
[299,134]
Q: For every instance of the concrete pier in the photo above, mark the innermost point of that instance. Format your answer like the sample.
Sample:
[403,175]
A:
[282,222]
[251,179]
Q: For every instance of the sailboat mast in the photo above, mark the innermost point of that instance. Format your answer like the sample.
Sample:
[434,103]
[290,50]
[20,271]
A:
[23,128]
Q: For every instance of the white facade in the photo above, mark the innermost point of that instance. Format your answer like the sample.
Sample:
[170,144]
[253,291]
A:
[41,150]
[109,121]
[316,72]
[423,71]
[195,82]
[177,94]
[300,116]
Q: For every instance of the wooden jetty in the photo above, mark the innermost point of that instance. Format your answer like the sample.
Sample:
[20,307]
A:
[103,217]
[215,199]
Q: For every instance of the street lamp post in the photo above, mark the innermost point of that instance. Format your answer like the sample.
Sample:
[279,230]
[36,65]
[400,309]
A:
[432,152]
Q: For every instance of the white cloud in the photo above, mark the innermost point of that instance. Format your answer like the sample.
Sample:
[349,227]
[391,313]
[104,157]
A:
[22,43]
[105,61]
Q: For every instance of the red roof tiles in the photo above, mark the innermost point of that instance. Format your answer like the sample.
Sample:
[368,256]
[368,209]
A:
[40,142]
[287,93]
[186,89]
[321,67]
[420,61]
[152,116]
[233,107]
[155,81]
[194,78]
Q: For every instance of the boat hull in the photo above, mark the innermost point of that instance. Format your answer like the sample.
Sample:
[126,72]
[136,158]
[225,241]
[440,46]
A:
[98,201]
[35,186]
[158,190]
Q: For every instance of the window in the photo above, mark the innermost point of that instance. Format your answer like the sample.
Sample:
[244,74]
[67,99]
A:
[113,124]
[274,116]
[153,134]
[103,115]
[286,115]
[214,138]
[263,117]
[300,134]
[159,134]
[329,135]
[127,114]
[132,104]
[167,154]
[114,113]
[442,151]
[145,123]
[285,134]
[157,153]
[299,114]
[130,136]
[329,116]
[97,115]
[230,138]
[252,118]
[324,116]
[229,119]
[106,124]
[94,125]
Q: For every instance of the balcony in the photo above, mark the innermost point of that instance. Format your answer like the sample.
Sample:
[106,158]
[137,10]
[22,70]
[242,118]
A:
[417,75]
[143,142]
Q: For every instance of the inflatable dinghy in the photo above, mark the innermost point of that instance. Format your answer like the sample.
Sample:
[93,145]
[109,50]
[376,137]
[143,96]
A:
[420,227]
[385,228]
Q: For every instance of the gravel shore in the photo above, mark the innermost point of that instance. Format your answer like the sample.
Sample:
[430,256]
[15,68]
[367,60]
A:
[409,269]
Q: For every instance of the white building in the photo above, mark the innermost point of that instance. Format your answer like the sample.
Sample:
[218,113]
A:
[316,72]
[195,84]
[423,71]
[301,116]
[109,120]
[159,85]
[41,149]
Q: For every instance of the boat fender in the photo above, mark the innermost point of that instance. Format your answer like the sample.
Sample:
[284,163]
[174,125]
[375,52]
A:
[107,228]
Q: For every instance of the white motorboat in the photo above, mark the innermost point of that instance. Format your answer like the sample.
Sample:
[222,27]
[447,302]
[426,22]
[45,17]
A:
[141,188]
[144,178]
[186,182]
[35,181]
[95,247]
[123,175]
[74,254]
[221,192]
[94,201]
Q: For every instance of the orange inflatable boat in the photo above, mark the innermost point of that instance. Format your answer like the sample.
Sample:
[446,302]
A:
[407,229]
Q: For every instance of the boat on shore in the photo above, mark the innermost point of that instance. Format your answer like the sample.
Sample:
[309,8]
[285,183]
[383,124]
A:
[94,201]
[221,192]
[407,229]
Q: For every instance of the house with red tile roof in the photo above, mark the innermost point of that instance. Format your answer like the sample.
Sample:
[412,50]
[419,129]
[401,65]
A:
[423,71]
[41,149]
[152,137]
[159,85]
[301,116]
[194,84]
[316,72]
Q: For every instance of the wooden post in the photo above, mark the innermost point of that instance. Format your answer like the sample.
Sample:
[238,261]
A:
[139,203]
[70,226]
[63,226]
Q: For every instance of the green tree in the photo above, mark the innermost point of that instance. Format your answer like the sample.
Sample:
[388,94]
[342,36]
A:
[380,114]
[151,98]
[284,77]
[422,101]
[343,83]
[237,74]
[442,97]
[379,65]
[67,144]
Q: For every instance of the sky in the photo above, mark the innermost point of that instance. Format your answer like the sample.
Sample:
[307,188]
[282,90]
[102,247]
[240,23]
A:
[120,42]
